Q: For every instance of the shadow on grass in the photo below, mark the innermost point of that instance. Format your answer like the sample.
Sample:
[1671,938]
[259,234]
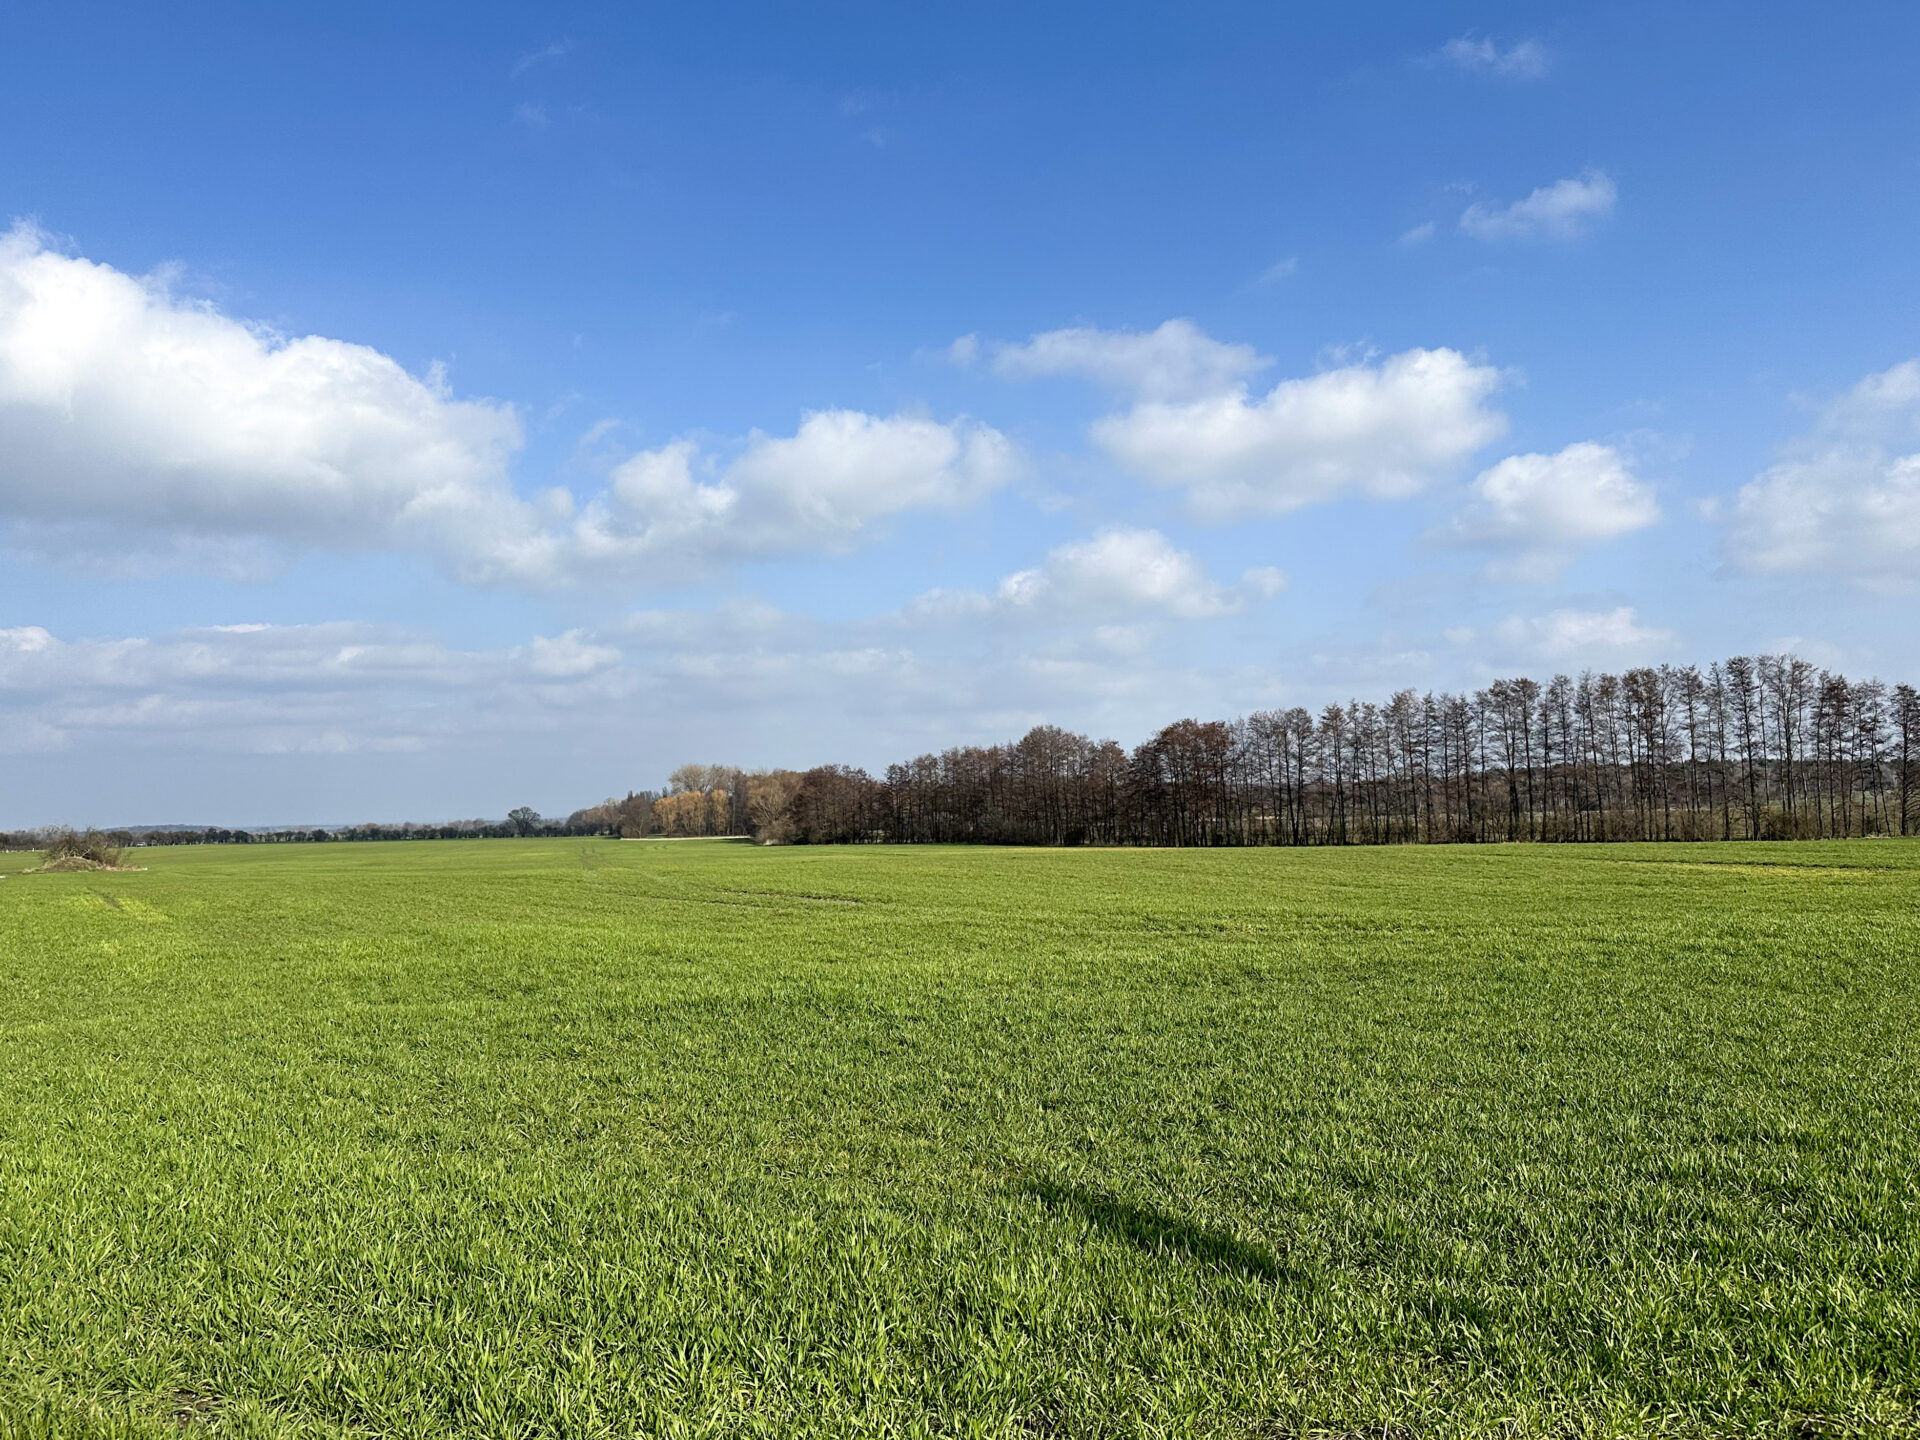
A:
[1157,1232]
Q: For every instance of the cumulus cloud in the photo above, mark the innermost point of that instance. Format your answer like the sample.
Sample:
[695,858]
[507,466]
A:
[1602,636]
[124,407]
[1536,512]
[1560,211]
[151,432]
[1117,573]
[1522,60]
[1382,429]
[1193,421]
[679,508]
[1178,360]
[1844,500]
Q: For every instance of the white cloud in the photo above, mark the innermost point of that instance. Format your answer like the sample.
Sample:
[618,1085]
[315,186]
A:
[559,720]
[1267,580]
[24,640]
[1418,235]
[1602,636]
[1280,270]
[1381,429]
[105,707]
[568,656]
[149,432]
[1116,573]
[131,728]
[1560,211]
[1123,640]
[1119,570]
[123,406]
[1537,511]
[1845,499]
[111,550]
[289,688]
[679,510]
[1523,60]
[1178,360]
[735,621]
[554,50]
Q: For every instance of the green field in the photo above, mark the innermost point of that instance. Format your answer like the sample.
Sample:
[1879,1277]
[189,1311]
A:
[592,1138]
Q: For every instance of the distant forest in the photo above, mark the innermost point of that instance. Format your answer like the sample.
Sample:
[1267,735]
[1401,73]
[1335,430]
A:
[1766,748]
[1750,748]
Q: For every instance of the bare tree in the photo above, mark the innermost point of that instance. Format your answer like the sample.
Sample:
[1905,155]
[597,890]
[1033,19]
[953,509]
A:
[1744,750]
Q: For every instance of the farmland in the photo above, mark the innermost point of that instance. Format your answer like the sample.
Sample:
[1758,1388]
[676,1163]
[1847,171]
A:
[592,1138]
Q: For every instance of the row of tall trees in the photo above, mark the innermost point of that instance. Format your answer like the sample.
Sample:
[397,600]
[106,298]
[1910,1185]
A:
[1764,747]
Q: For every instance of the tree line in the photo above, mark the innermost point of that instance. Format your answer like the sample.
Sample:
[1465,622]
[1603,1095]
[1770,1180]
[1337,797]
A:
[1751,748]
[521,822]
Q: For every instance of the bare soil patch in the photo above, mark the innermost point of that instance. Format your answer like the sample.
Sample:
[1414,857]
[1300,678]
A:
[191,1408]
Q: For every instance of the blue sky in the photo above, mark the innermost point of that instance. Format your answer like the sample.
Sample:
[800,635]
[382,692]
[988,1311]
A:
[418,411]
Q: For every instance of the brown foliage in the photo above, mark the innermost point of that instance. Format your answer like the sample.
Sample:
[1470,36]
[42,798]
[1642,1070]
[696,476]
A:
[770,805]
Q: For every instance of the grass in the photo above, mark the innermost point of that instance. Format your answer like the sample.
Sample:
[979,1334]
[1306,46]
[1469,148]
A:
[587,1138]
